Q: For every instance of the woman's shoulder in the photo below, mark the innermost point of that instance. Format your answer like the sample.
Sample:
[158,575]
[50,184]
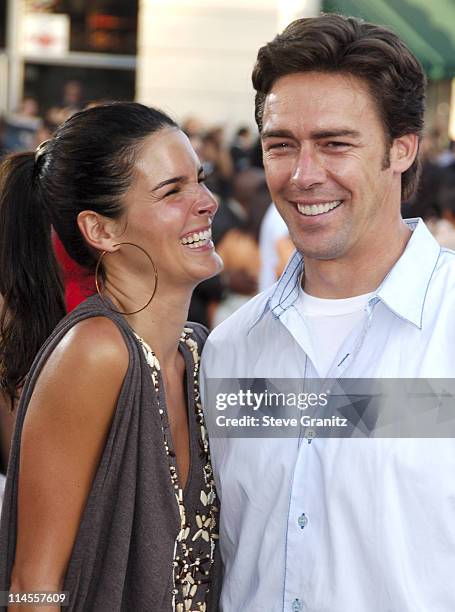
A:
[93,330]
[82,376]
[95,342]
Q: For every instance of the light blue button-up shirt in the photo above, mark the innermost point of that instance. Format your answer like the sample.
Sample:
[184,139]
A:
[338,525]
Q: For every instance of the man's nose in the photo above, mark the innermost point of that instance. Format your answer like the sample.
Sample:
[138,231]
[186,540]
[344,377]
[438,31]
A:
[308,170]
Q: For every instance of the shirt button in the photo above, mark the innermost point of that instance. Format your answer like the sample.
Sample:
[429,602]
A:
[302,521]
[297,606]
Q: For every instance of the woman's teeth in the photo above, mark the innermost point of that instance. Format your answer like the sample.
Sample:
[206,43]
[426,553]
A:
[317,209]
[198,239]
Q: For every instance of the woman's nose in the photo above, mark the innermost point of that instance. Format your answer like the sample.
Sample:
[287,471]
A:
[206,203]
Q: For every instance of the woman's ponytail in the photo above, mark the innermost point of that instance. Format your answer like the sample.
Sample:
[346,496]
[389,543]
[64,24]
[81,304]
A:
[30,284]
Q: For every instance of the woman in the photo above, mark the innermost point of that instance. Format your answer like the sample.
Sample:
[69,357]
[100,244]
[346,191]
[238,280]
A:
[109,488]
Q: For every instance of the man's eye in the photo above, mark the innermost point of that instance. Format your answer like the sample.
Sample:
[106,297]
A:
[337,145]
[277,146]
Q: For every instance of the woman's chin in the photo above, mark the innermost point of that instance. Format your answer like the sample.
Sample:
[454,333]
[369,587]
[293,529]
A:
[208,269]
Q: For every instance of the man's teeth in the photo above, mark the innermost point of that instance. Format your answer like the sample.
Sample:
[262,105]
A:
[197,240]
[317,209]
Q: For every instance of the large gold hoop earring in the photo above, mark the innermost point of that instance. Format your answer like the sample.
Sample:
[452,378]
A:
[97,284]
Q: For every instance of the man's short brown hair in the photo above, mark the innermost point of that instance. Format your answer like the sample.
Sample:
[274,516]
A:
[337,44]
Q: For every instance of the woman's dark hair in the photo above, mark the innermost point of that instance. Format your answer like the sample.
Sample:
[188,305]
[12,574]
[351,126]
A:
[337,44]
[87,165]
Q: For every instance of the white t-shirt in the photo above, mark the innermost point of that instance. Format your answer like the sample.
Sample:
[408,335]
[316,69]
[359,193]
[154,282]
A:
[329,323]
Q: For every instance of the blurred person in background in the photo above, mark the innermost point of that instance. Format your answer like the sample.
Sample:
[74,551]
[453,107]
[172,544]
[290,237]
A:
[239,247]
[433,198]
[241,148]
[443,228]
[256,160]
[217,162]
[424,202]
[44,132]
[109,494]
[72,96]
[71,102]
[21,126]
[194,129]
[193,126]
[272,234]
[56,115]
[447,157]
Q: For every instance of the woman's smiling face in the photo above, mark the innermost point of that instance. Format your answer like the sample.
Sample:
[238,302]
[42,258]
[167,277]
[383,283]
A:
[169,211]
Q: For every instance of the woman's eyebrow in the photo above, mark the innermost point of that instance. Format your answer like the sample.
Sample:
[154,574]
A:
[176,179]
[171,181]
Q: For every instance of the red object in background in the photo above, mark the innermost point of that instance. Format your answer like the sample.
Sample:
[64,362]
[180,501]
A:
[79,284]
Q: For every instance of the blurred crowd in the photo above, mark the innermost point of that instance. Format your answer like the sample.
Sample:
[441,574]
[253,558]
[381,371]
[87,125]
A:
[248,232]
[29,125]
[435,198]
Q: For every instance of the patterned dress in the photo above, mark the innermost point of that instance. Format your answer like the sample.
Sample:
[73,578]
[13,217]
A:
[194,547]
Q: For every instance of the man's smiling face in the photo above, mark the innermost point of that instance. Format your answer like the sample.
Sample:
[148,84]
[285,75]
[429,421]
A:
[329,166]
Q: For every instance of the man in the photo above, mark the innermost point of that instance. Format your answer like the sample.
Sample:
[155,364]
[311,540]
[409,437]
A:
[337,525]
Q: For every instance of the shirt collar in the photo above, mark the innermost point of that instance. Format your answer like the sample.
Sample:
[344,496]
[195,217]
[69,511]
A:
[285,292]
[403,290]
[405,287]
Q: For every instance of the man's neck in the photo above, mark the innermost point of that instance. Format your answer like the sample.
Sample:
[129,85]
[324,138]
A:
[355,274]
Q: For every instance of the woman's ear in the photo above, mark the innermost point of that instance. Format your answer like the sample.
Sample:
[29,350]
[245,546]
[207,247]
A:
[97,230]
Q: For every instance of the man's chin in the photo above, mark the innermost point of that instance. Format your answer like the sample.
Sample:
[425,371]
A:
[320,252]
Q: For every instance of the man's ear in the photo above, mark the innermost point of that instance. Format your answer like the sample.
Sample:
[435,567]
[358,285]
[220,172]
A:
[97,230]
[403,152]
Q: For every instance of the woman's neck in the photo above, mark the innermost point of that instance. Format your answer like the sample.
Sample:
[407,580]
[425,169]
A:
[161,323]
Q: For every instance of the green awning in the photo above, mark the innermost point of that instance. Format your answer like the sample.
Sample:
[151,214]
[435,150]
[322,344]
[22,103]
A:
[427,27]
